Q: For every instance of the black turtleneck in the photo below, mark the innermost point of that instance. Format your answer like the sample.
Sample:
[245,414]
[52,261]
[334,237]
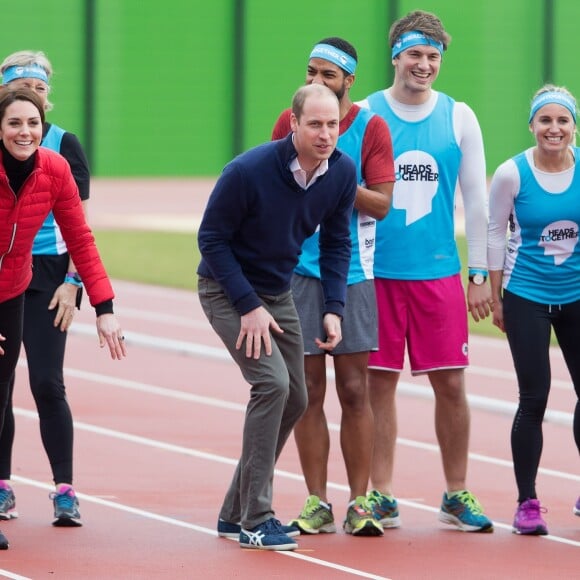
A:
[17,171]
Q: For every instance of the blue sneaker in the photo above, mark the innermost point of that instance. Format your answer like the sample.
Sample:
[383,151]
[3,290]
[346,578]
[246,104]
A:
[267,536]
[7,504]
[465,513]
[66,508]
[3,542]
[576,508]
[228,530]
[384,510]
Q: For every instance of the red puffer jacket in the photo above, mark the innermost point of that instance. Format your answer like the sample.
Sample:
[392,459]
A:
[50,186]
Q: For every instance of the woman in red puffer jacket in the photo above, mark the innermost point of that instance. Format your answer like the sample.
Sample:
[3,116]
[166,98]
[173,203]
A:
[34,181]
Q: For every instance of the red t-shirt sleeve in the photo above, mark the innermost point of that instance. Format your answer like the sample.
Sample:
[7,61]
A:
[282,126]
[377,153]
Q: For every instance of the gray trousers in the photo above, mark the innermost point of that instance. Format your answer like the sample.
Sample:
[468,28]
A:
[278,397]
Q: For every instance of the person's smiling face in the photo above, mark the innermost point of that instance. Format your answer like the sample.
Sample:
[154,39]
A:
[21,129]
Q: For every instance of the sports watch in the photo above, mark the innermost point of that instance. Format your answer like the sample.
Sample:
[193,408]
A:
[478,277]
[73,278]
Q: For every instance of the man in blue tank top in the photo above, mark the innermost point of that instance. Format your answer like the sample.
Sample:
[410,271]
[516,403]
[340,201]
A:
[420,296]
[365,137]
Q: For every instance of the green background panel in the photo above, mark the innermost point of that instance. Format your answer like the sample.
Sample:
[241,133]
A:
[56,28]
[279,42]
[566,70]
[164,100]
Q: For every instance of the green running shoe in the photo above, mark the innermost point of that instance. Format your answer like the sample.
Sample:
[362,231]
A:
[315,518]
[360,521]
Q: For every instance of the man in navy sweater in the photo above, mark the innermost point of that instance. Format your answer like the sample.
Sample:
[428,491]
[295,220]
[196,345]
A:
[264,205]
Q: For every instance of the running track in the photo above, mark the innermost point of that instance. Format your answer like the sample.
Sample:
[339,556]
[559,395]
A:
[157,436]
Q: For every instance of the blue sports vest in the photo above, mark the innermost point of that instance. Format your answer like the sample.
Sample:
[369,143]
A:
[416,241]
[362,227]
[48,240]
[543,257]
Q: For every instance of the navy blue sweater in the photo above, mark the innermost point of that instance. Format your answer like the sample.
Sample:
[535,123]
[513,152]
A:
[257,217]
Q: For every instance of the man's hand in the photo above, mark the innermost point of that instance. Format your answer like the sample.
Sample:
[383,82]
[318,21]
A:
[479,301]
[255,327]
[333,329]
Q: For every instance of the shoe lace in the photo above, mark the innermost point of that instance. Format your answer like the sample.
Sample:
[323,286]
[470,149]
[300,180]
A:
[312,504]
[468,499]
[4,494]
[63,500]
[362,507]
[374,497]
[272,526]
[531,511]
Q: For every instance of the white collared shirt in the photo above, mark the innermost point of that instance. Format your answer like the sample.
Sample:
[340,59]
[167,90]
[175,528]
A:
[300,175]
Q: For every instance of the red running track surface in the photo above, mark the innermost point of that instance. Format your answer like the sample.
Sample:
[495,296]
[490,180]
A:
[156,440]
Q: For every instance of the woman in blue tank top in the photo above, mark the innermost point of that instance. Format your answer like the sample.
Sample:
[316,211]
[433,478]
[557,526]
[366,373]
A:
[535,275]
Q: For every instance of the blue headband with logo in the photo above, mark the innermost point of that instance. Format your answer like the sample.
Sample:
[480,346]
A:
[336,56]
[32,71]
[556,98]
[413,38]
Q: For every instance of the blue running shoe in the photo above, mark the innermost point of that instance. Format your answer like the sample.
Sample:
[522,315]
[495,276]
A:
[228,530]
[267,536]
[576,508]
[384,510]
[465,513]
[66,508]
[3,542]
[7,504]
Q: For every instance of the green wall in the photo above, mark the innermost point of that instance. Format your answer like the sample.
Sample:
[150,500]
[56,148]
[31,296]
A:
[164,101]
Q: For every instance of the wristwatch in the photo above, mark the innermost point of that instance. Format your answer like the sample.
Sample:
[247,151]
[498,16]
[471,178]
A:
[478,279]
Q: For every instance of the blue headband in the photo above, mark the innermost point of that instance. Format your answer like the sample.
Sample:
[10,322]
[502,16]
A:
[553,97]
[32,71]
[336,56]
[413,38]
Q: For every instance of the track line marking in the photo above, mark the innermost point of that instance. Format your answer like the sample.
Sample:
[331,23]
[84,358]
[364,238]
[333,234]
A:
[422,391]
[187,525]
[140,440]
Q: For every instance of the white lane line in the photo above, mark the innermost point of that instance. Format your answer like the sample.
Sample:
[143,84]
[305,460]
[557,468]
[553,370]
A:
[205,456]
[6,574]
[189,526]
[414,390]
[422,391]
[510,376]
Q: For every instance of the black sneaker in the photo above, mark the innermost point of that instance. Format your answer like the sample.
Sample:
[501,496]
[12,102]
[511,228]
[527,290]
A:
[3,542]
[66,508]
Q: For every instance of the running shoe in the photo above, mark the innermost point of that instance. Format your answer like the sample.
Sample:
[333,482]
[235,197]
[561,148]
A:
[229,530]
[7,504]
[3,542]
[528,519]
[463,511]
[267,536]
[576,508]
[66,508]
[316,517]
[360,521]
[384,510]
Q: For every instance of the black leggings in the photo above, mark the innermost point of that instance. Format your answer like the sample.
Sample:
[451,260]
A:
[528,327]
[45,349]
[11,316]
